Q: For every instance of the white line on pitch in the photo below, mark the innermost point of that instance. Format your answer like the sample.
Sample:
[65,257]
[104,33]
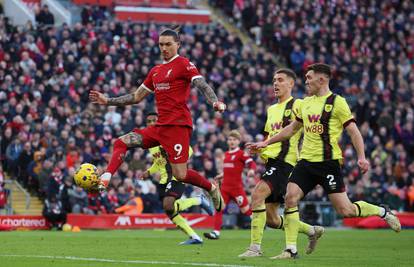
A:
[121,261]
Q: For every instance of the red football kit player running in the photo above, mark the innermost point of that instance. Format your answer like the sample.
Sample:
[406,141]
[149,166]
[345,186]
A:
[235,160]
[170,82]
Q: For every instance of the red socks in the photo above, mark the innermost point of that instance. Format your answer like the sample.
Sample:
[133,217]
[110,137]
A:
[218,220]
[118,155]
[197,179]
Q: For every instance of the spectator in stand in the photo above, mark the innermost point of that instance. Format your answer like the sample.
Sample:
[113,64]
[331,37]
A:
[43,177]
[3,191]
[54,183]
[45,17]
[137,162]
[123,195]
[24,159]
[13,151]
[54,213]
[6,139]
[86,15]
[33,170]
[133,206]
[152,204]
[78,200]
[96,203]
[65,190]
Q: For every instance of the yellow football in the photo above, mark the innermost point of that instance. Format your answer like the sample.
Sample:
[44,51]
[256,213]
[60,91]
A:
[86,176]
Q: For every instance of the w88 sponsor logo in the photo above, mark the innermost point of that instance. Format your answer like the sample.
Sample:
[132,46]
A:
[314,128]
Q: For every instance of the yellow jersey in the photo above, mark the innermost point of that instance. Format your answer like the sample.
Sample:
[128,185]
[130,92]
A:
[159,162]
[279,116]
[323,119]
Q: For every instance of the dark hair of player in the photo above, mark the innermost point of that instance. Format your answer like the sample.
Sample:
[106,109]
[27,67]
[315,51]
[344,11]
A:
[320,68]
[290,73]
[152,113]
[173,31]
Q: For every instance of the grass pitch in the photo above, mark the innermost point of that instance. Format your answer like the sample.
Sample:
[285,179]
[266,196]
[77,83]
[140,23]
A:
[160,248]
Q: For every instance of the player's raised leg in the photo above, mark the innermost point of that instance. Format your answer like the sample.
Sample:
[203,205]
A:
[121,145]
[346,208]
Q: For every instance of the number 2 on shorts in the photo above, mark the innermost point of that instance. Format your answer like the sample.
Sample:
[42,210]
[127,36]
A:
[331,178]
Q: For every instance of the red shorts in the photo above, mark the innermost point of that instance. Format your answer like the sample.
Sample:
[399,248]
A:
[237,194]
[174,139]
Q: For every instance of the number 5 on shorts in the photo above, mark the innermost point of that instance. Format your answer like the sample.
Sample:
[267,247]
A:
[270,171]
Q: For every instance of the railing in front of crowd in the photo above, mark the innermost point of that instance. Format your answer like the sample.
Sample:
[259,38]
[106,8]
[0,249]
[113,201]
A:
[26,194]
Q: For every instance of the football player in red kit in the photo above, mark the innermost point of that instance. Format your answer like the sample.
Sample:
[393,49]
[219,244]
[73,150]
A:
[170,82]
[235,160]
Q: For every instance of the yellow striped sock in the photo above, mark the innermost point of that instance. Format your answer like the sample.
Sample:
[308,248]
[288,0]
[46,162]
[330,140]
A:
[183,204]
[364,209]
[291,226]
[304,228]
[183,225]
[258,224]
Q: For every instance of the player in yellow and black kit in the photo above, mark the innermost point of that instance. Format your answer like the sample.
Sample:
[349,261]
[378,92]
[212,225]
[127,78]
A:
[280,158]
[170,190]
[322,117]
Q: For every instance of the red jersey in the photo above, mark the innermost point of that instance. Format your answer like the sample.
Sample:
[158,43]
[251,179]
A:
[170,82]
[233,165]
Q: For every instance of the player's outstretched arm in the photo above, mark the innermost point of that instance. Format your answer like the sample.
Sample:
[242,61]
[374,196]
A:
[284,134]
[129,99]
[358,144]
[209,94]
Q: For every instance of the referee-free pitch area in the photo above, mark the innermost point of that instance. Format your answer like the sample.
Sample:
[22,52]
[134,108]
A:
[160,248]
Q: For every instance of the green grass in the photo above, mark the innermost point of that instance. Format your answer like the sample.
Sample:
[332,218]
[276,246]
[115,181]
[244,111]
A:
[159,248]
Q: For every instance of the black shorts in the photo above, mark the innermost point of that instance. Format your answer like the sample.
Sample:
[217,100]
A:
[277,176]
[171,189]
[327,174]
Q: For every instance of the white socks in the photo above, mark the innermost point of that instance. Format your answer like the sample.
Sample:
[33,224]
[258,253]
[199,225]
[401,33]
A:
[106,177]
[196,236]
[255,247]
[382,212]
[292,248]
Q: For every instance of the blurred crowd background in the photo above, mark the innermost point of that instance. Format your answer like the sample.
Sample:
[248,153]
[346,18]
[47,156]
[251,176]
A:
[49,127]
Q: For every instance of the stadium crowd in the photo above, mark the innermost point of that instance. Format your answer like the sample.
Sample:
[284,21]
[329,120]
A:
[49,127]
